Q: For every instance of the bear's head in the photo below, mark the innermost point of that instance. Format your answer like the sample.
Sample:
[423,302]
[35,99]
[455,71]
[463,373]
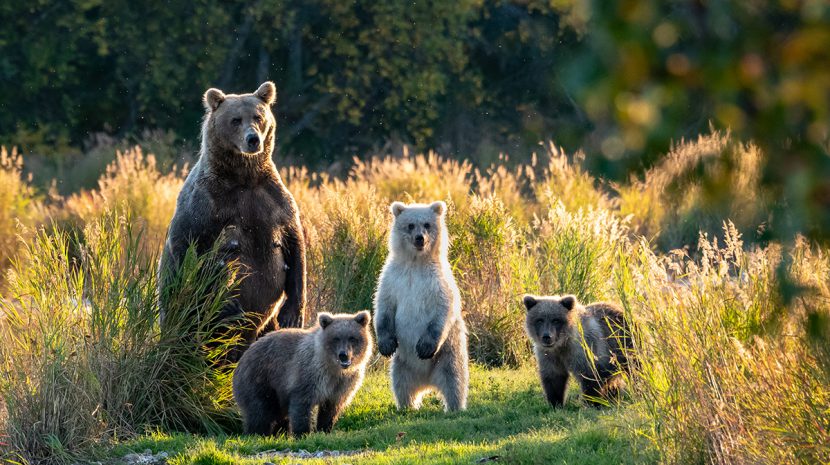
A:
[418,230]
[345,339]
[240,125]
[548,319]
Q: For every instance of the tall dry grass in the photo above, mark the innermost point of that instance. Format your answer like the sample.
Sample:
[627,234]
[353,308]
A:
[83,360]
[730,370]
[729,373]
[20,207]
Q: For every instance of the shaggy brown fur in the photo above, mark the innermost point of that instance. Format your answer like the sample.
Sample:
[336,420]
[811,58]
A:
[286,374]
[591,342]
[235,192]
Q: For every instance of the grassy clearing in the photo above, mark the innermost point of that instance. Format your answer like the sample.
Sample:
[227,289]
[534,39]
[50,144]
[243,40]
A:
[507,417]
[734,337]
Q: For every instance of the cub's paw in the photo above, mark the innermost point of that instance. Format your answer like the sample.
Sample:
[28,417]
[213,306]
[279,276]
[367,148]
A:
[387,346]
[426,348]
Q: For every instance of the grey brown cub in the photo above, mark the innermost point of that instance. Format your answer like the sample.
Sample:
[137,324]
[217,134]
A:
[283,376]
[591,342]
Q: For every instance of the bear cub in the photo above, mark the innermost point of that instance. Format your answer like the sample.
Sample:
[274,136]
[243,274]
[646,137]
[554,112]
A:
[283,376]
[557,325]
[418,310]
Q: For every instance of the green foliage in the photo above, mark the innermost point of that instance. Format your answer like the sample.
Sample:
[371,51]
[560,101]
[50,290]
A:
[83,359]
[654,71]
[492,269]
[350,75]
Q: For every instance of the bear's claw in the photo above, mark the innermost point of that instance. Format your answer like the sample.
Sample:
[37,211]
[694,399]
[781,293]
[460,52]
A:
[426,349]
[387,346]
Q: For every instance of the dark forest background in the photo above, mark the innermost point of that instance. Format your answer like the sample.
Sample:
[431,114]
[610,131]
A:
[471,79]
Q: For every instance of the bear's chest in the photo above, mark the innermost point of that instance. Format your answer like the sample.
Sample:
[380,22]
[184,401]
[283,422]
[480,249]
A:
[419,296]
[254,222]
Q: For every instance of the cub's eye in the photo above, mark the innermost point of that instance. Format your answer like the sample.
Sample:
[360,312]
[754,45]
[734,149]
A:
[411,226]
[336,340]
[426,226]
[352,340]
[236,121]
[257,119]
[540,321]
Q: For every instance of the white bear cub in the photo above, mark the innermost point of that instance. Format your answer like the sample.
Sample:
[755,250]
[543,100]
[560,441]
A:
[418,310]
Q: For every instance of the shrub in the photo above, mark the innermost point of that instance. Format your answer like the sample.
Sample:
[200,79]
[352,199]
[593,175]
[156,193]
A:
[134,182]
[721,381]
[493,269]
[576,252]
[695,188]
[19,205]
[564,180]
[347,246]
[418,178]
[83,359]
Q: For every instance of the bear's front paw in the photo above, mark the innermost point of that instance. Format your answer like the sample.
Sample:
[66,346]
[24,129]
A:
[426,348]
[387,346]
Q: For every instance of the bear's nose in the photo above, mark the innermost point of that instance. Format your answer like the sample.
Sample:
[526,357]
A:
[546,338]
[419,240]
[252,140]
[343,356]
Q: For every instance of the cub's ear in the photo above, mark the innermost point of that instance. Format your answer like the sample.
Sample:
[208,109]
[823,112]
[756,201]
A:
[267,92]
[212,99]
[529,301]
[362,318]
[438,207]
[325,319]
[569,302]
[396,208]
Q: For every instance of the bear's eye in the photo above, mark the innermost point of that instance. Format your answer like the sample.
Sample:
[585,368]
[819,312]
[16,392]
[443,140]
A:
[336,340]
[540,321]
[426,226]
[352,340]
[257,119]
[411,226]
[236,121]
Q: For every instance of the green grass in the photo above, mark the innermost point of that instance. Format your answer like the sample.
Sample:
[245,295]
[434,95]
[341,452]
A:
[507,417]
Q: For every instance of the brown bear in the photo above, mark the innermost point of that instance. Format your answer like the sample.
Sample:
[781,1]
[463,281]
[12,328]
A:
[285,374]
[591,342]
[235,192]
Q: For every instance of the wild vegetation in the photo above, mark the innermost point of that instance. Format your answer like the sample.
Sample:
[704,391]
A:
[732,329]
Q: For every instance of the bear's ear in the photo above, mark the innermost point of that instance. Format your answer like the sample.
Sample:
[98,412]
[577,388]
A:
[213,97]
[569,302]
[529,301]
[438,207]
[396,208]
[362,318]
[267,92]
[324,319]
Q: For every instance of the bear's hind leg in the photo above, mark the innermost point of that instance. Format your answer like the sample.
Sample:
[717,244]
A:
[592,391]
[407,385]
[451,378]
[260,418]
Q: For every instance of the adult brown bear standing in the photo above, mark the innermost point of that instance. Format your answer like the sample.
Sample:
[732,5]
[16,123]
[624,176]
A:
[234,191]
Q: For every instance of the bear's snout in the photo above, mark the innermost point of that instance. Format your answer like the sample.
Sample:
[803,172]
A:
[345,362]
[252,141]
[419,241]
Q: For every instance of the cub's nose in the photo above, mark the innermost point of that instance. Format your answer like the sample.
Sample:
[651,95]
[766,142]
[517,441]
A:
[253,141]
[546,338]
[419,240]
[344,359]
